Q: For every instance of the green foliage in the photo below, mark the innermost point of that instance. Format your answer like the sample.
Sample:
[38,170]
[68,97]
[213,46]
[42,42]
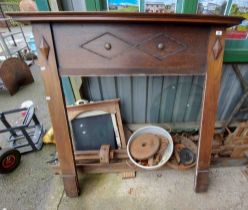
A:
[11,1]
[234,9]
[128,9]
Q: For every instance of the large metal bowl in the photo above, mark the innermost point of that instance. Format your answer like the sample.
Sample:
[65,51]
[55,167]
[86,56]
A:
[154,130]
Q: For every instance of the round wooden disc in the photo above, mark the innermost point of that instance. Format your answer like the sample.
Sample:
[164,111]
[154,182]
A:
[144,146]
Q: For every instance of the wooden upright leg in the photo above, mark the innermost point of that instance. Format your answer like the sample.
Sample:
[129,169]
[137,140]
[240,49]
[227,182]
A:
[56,104]
[209,107]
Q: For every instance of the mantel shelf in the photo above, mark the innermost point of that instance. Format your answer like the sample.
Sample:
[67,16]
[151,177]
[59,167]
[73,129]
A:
[124,17]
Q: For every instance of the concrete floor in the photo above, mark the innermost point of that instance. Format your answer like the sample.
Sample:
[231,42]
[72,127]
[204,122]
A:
[33,186]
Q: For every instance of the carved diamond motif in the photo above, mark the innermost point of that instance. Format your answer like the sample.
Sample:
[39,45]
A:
[106,45]
[44,48]
[217,48]
[161,46]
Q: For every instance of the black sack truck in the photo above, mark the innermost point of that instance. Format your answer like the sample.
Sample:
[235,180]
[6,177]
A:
[23,138]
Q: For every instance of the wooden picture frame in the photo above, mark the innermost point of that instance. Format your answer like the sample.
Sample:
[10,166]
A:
[109,107]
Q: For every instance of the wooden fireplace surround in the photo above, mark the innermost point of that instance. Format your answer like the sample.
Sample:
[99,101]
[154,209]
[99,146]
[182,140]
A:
[100,44]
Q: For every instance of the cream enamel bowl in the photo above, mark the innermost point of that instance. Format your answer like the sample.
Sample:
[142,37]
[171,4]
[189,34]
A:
[154,130]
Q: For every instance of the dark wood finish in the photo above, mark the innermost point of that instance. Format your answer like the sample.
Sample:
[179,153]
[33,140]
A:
[15,73]
[104,17]
[113,44]
[104,154]
[134,49]
[124,166]
[209,109]
[108,106]
[113,167]
[56,105]
[94,155]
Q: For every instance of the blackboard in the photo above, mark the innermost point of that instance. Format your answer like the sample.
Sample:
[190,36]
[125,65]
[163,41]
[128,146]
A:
[93,131]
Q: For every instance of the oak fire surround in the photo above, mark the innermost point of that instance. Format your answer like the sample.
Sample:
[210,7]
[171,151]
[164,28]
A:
[100,44]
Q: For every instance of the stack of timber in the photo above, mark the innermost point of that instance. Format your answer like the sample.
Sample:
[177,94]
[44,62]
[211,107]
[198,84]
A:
[234,144]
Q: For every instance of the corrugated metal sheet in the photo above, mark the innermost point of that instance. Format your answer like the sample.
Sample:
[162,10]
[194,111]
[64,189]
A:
[73,5]
[157,99]
[230,92]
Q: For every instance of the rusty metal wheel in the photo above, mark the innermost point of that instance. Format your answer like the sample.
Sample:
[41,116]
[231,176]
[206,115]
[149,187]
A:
[9,160]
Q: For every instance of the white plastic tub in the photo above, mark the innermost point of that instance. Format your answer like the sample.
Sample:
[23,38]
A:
[154,130]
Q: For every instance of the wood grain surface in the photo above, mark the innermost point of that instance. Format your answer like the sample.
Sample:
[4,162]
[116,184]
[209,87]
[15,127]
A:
[135,49]
[124,17]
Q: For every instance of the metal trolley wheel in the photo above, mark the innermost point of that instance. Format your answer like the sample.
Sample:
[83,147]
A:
[9,160]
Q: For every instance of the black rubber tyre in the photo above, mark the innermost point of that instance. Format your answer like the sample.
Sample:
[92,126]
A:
[9,160]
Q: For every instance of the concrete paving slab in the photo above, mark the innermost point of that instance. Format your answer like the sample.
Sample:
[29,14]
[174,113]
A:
[26,188]
[167,189]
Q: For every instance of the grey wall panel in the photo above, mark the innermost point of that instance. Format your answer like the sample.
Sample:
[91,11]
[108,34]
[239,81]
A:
[74,5]
[96,92]
[155,85]
[227,75]
[193,108]
[67,5]
[108,87]
[139,98]
[124,91]
[231,91]
[79,5]
[182,94]
[166,99]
